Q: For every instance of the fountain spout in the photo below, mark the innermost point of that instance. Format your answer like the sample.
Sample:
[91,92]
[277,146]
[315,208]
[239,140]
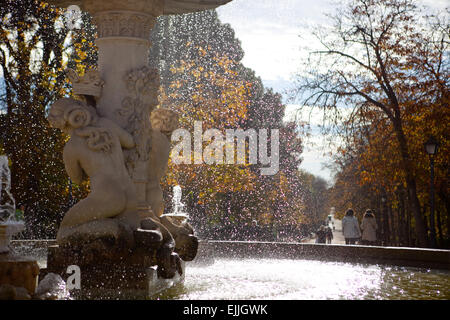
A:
[178,212]
[8,225]
[7,204]
[16,272]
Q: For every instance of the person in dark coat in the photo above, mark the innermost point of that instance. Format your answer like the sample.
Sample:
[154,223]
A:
[321,234]
[329,235]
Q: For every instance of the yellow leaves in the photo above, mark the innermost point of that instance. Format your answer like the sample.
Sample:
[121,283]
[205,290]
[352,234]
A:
[211,90]
[176,84]
[365,177]
[195,97]
[82,55]
[196,73]
[202,51]
[220,98]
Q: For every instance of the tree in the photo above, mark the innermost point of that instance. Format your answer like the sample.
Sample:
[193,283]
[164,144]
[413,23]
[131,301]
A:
[203,79]
[35,48]
[378,61]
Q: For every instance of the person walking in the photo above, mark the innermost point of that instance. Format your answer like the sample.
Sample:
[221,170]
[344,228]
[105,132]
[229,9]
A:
[321,234]
[329,235]
[20,213]
[350,227]
[369,228]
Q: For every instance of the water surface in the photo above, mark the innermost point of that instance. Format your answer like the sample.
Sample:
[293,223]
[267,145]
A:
[273,279]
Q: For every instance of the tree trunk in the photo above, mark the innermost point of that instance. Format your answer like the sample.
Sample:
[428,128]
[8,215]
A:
[386,230]
[393,231]
[439,225]
[402,220]
[446,200]
[411,185]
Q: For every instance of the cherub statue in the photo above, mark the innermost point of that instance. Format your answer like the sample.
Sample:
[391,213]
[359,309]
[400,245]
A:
[94,150]
[164,122]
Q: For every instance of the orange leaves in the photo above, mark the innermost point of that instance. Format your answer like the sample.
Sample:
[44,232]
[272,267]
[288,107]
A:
[214,95]
[210,91]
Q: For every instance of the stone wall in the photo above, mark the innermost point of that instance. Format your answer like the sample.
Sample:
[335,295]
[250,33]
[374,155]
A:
[400,256]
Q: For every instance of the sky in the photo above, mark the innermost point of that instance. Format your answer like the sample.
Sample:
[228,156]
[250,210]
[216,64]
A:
[273,35]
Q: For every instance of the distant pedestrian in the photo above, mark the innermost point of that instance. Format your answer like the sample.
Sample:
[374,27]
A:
[20,213]
[350,227]
[369,228]
[321,234]
[329,235]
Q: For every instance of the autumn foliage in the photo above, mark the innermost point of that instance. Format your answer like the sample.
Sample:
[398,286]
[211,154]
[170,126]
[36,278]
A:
[386,63]
[35,48]
[202,79]
[206,82]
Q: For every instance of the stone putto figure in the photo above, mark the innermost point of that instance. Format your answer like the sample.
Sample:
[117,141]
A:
[94,150]
[164,122]
[111,211]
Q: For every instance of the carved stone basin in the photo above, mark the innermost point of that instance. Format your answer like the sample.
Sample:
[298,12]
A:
[16,271]
[7,230]
[160,6]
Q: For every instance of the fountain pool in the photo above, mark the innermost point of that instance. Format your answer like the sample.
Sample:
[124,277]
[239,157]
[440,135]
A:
[293,279]
[276,279]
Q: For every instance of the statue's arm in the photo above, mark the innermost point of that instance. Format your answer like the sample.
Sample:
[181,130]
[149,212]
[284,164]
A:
[126,139]
[72,165]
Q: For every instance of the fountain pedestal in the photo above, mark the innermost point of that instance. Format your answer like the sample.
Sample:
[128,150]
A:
[15,271]
[124,275]
[19,272]
[127,90]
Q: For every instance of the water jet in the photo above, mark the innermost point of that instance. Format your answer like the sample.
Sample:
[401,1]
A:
[18,274]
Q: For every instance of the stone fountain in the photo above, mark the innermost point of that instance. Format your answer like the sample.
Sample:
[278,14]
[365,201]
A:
[178,213]
[118,235]
[18,275]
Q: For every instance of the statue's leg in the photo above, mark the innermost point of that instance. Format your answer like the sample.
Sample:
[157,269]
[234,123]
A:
[156,200]
[96,206]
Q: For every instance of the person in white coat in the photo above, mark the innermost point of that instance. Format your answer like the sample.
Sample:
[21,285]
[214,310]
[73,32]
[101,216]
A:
[350,227]
[369,228]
